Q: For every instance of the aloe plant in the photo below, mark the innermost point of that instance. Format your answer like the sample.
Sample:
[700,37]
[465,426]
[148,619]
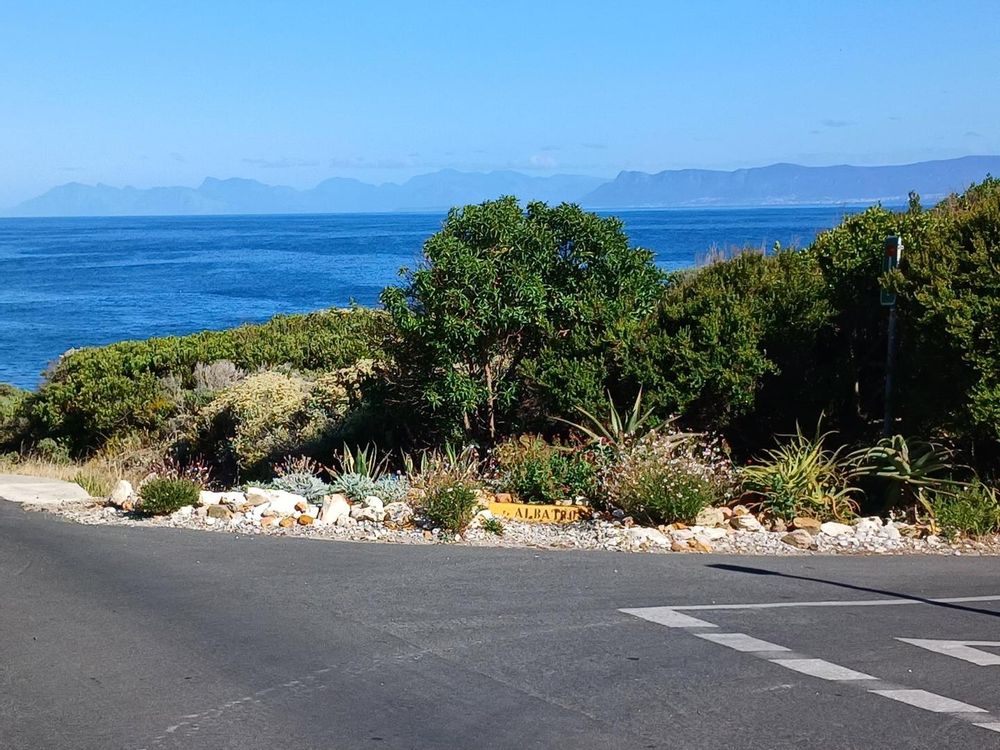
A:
[617,428]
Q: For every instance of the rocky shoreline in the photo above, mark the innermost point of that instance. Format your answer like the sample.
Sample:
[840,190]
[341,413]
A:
[717,530]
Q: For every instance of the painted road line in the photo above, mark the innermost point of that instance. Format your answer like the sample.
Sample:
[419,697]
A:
[930,701]
[838,603]
[959,649]
[993,726]
[667,616]
[741,642]
[823,669]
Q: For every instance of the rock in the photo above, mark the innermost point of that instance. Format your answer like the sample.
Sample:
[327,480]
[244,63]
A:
[640,535]
[312,510]
[219,511]
[122,493]
[334,506]
[618,514]
[268,521]
[727,512]
[700,544]
[832,528]
[710,517]
[504,497]
[401,514]
[286,522]
[800,538]
[371,510]
[186,512]
[933,540]
[872,524]
[346,521]
[713,534]
[215,498]
[375,503]
[778,525]
[679,546]
[808,524]
[745,522]
[682,535]
[891,532]
[302,506]
[283,503]
[306,520]
[741,510]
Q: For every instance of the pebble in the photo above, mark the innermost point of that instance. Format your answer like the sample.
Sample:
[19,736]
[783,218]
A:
[866,538]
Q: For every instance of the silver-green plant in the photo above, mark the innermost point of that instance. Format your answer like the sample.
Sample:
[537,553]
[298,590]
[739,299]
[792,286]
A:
[307,485]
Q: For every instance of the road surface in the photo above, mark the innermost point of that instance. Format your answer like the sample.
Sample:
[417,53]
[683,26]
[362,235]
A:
[116,637]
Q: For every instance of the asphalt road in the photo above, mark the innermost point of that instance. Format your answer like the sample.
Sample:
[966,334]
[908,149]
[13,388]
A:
[115,637]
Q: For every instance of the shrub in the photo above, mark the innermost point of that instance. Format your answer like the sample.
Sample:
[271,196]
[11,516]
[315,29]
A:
[216,376]
[50,450]
[96,393]
[665,477]
[308,486]
[450,506]
[538,472]
[801,477]
[513,315]
[447,463]
[162,496]
[392,489]
[733,346]
[356,486]
[493,526]
[12,400]
[973,510]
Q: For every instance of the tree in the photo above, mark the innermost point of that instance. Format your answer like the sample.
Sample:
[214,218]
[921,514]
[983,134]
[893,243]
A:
[513,313]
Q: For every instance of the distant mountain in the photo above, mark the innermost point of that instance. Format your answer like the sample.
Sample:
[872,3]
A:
[435,191]
[791,184]
[778,184]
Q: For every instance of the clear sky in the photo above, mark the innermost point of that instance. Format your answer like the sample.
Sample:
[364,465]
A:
[166,93]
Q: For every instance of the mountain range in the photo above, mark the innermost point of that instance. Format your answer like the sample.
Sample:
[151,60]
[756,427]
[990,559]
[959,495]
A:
[778,184]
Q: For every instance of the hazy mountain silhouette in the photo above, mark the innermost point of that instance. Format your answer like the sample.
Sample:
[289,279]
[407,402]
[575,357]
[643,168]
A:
[791,184]
[778,184]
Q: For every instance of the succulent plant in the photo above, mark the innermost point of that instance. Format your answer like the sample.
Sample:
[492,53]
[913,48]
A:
[308,486]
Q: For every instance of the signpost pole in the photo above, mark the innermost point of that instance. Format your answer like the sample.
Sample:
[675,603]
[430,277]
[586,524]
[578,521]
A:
[893,252]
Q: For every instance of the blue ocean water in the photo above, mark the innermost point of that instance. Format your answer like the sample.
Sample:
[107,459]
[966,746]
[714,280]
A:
[84,281]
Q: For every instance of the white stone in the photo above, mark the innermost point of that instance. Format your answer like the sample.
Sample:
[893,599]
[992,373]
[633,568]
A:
[258,511]
[334,507]
[185,512]
[215,498]
[312,510]
[682,535]
[868,525]
[746,522]
[891,532]
[832,528]
[122,492]
[710,517]
[641,535]
[375,503]
[282,503]
[713,534]
[401,513]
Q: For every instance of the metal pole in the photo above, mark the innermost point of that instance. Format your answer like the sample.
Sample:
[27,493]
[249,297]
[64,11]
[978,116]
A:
[890,372]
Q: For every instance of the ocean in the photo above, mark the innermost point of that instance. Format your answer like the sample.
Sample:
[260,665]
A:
[85,281]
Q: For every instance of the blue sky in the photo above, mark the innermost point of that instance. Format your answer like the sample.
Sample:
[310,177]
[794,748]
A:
[154,93]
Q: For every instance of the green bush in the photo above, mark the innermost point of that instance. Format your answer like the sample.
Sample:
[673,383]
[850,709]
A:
[973,510]
[538,472]
[515,314]
[162,496]
[12,401]
[96,393]
[665,478]
[735,343]
[450,506]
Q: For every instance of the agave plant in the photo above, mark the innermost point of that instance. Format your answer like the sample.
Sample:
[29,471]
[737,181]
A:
[802,477]
[356,486]
[364,461]
[617,428]
[448,461]
[911,469]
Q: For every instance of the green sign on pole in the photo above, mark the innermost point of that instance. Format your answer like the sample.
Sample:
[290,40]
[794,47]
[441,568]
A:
[890,259]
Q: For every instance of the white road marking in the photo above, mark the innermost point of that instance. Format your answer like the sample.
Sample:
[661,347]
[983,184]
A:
[836,603]
[825,670]
[667,616]
[993,726]
[959,649]
[930,701]
[741,642]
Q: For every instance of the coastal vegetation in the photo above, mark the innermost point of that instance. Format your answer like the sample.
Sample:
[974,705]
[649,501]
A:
[511,357]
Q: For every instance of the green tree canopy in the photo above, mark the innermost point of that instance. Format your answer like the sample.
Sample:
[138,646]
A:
[515,315]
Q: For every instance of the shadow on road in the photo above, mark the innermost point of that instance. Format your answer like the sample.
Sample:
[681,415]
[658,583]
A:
[763,572]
